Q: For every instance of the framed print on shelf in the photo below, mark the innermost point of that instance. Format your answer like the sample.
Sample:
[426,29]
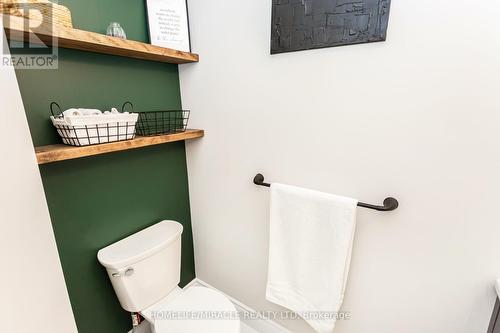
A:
[169,24]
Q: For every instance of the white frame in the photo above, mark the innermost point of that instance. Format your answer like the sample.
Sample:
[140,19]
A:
[168,10]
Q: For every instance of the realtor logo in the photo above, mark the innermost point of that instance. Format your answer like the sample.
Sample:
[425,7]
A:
[29,41]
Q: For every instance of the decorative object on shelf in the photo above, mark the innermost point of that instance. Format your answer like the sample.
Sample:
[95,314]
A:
[84,127]
[38,10]
[169,24]
[312,24]
[116,30]
[162,122]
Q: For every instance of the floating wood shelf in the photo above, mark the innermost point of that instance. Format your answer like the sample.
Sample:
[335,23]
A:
[54,153]
[93,42]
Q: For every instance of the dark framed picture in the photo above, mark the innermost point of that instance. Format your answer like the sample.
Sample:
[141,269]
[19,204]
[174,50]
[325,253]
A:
[168,23]
[312,24]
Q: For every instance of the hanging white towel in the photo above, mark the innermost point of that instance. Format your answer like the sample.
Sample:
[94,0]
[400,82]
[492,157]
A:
[311,236]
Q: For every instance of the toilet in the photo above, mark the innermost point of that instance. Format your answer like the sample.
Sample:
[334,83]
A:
[144,270]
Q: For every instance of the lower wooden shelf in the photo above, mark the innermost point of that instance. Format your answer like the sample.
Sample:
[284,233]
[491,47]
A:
[54,153]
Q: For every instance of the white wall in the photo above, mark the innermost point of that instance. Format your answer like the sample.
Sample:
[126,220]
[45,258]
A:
[416,117]
[33,296]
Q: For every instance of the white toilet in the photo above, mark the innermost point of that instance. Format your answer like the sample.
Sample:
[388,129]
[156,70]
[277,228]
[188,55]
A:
[144,269]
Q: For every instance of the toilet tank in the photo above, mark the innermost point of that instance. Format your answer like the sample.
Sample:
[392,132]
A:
[144,267]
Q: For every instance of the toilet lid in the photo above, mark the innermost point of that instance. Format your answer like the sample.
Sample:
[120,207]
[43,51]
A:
[195,310]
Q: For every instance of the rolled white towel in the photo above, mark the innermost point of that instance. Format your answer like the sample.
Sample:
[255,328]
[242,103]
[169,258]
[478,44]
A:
[90,112]
[81,112]
[114,111]
[72,112]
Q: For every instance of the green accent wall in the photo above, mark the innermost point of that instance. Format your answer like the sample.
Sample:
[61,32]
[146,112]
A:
[98,200]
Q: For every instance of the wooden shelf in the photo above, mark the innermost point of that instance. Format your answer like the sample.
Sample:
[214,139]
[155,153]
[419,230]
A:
[93,42]
[54,153]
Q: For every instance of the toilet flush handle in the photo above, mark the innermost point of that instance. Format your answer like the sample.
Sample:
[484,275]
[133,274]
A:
[128,272]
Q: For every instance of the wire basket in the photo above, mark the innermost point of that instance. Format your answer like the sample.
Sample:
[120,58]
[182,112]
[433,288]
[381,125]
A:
[162,122]
[93,130]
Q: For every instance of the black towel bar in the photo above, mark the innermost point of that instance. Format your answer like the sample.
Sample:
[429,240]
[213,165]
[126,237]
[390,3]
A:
[389,203]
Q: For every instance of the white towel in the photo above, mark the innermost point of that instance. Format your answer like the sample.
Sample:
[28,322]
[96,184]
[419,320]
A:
[78,112]
[311,236]
[72,112]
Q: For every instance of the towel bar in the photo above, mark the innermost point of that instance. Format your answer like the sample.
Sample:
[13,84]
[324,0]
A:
[389,203]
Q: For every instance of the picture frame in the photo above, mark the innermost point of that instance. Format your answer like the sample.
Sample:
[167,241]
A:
[168,24]
[314,24]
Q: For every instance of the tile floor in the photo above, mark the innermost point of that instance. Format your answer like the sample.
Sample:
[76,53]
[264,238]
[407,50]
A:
[247,329]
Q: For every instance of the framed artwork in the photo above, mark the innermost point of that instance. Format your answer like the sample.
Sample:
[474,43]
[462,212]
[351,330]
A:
[169,24]
[311,24]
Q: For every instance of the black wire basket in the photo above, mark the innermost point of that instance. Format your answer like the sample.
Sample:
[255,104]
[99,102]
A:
[113,128]
[162,122]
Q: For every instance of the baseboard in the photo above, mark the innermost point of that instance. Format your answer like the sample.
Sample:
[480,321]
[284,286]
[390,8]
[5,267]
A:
[262,325]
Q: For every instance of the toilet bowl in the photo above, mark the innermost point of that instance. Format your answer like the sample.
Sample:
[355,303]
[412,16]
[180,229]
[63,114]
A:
[197,309]
[144,270]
